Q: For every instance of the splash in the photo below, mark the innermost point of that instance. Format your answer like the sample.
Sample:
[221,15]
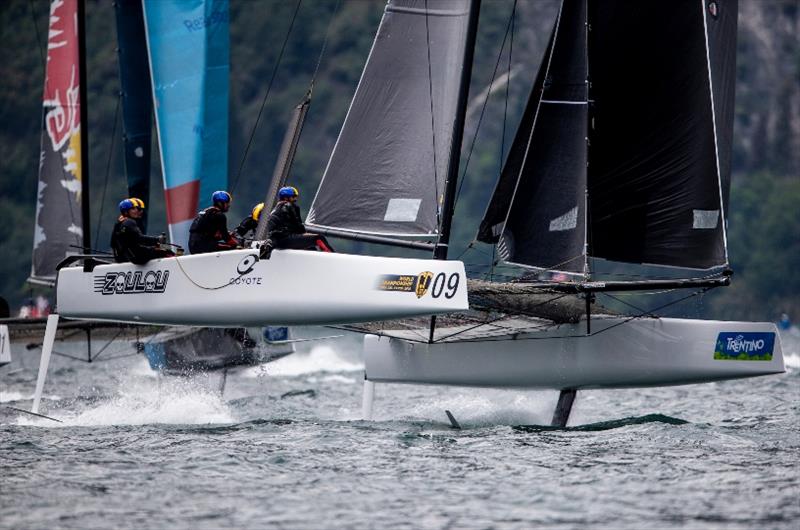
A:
[485,407]
[320,359]
[173,401]
[792,361]
[10,396]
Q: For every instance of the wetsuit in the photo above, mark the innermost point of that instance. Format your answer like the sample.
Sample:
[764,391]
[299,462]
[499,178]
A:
[209,232]
[286,229]
[130,244]
[247,226]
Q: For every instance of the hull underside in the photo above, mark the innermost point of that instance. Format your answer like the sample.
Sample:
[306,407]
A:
[618,353]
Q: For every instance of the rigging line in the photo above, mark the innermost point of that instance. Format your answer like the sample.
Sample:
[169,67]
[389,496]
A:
[485,102]
[108,171]
[507,315]
[627,320]
[38,38]
[433,126]
[232,280]
[266,95]
[637,308]
[124,355]
[107,344]
[324,45]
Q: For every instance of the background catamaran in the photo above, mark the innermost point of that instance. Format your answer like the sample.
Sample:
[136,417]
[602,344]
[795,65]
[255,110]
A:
[622,154]
[191,95]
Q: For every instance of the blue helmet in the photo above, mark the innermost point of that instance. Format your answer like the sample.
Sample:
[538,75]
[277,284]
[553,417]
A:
[133,202]
[221,196]
[287,191]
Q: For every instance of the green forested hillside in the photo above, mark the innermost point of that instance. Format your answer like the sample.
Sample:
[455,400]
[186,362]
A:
[764,218]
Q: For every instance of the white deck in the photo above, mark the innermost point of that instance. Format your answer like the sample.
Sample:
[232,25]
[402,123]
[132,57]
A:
[235,288]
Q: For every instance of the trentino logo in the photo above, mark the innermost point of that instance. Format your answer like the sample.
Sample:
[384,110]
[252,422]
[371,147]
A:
[131,282]
[744,346]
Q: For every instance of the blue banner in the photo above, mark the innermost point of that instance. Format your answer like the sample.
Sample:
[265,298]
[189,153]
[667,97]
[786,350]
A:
[744,346]
[188,43]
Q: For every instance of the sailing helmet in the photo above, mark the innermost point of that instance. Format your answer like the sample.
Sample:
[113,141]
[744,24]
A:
[288,191]
[257,210]
[132,202]
[221,196]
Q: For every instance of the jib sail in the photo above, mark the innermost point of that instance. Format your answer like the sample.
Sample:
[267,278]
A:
[387,172]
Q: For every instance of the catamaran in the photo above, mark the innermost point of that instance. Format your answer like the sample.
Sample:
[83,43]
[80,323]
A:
[623,154]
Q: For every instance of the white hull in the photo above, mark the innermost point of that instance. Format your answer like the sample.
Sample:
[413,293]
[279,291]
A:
[234,288]
[639,353]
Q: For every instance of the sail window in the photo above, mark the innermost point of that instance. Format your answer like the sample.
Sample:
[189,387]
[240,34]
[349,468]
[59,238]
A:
[402,210]
[705,219]
[568,221]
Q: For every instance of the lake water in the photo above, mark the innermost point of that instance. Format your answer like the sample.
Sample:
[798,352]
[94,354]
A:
[283,446]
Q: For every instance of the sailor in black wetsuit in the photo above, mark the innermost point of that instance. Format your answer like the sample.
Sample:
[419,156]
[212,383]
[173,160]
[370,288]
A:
[247,228]
[209,230]
[286,228]
[127,240]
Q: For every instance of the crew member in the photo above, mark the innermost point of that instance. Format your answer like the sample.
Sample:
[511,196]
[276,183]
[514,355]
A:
[209,230]
[127,240]
[286,228]
[247,228]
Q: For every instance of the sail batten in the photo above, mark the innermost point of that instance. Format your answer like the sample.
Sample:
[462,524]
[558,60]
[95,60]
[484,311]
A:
[387,172]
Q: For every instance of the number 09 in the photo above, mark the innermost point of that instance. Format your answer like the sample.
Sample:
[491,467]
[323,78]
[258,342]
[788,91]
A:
[448,285]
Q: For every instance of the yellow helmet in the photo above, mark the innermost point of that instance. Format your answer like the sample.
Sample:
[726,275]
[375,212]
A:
[133,202]
[257,210]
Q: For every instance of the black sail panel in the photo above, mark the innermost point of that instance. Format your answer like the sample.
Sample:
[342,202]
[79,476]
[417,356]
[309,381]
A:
[384,175]
[493,220]
[654,188]
[545,225]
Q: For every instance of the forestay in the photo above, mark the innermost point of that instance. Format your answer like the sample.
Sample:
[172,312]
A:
[387,172]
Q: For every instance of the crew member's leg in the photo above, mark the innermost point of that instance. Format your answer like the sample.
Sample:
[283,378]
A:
[297,242]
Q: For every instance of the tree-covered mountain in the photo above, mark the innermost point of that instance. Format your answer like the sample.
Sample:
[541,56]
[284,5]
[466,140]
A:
[764,219]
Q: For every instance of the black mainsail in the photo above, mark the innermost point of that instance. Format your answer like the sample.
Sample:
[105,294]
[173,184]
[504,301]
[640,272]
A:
[648,144]
[387,172]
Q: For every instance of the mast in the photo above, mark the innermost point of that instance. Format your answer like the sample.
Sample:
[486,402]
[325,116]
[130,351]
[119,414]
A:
[284,162]
[449,202]
[87,237]
[448,206]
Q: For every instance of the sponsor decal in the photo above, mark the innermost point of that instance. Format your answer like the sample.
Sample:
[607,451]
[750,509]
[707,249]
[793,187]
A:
[744,346]
[397,282]
[438,284]
[423,282]
[245,267]
[132,282]
[202,22]
[247,264]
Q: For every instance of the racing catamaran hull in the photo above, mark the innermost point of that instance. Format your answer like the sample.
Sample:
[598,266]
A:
[619,353]
[236,288]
